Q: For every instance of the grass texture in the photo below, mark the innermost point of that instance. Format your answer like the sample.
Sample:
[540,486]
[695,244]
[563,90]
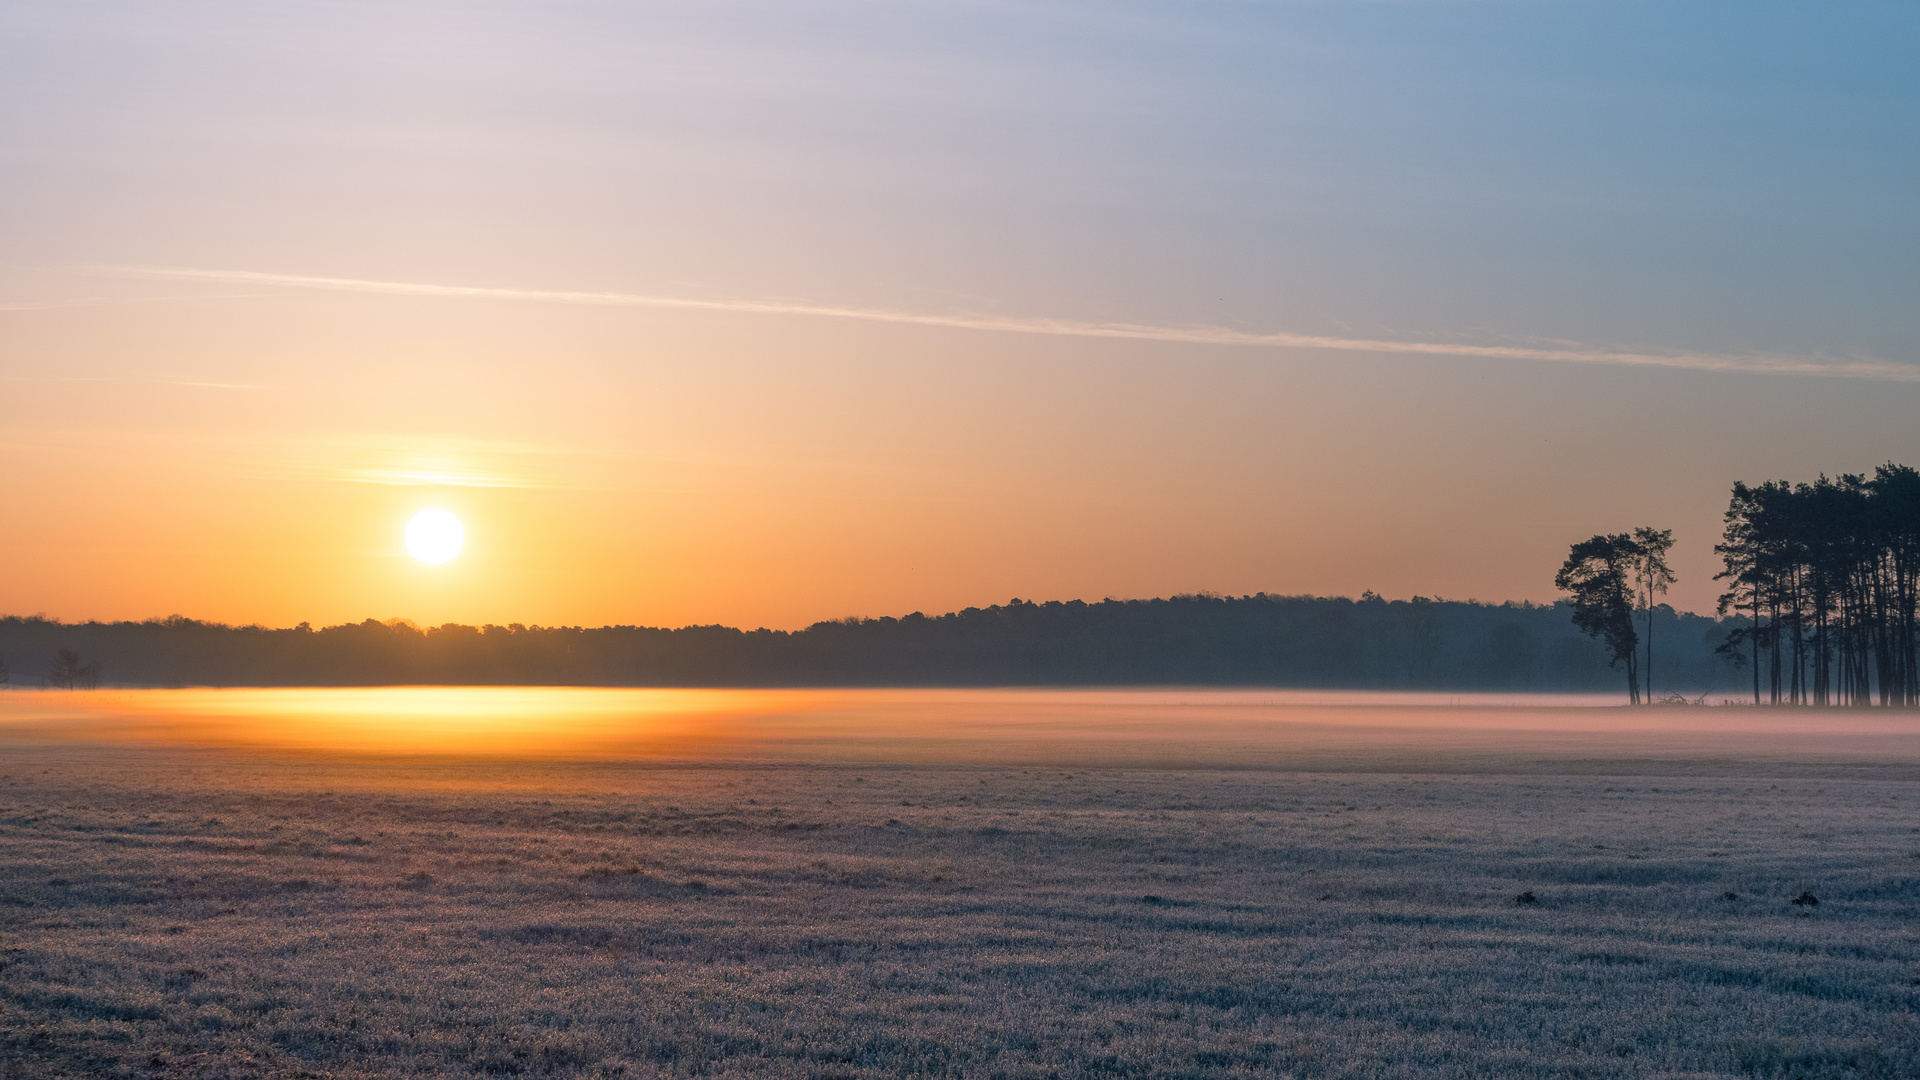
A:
[196,914]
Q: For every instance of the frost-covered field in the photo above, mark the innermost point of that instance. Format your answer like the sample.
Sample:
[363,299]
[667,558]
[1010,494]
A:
[190,912]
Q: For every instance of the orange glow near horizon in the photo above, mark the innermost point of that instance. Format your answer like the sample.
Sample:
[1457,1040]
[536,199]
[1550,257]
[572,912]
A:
[1117,727]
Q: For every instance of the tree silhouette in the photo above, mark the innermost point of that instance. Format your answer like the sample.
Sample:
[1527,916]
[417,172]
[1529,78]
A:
[1740,549]
[1597,572]
[1650,576]
[1829,573]
[6,677]
[69,672]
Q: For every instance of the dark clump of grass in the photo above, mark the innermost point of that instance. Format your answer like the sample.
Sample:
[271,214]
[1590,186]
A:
[601,873]
[1805,899]
[1526,898]
[1733,895]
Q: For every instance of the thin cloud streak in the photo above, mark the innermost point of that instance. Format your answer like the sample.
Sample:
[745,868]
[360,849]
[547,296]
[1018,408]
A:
[197,384]
[1731,363]
[107,301]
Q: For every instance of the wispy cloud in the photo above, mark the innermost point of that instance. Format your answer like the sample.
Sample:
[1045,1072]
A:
[415,461]
[401,461]
[197,384]
[103,301]
[58,305]
[1734,363]
[343,458]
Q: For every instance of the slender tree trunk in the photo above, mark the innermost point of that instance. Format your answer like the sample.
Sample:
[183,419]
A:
[1859,631]
[1773,649]
[1799,639]
[1799,646]
[1649,644]
[1863,642]
[1818,675]
[1908,601]
[1882,647]
[1822,654]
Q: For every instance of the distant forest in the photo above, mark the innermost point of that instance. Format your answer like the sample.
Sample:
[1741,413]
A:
[1260,640]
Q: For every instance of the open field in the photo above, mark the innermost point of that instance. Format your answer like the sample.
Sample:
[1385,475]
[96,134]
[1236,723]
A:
[175,906]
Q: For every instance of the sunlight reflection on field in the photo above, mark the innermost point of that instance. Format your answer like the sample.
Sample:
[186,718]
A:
[1186,727]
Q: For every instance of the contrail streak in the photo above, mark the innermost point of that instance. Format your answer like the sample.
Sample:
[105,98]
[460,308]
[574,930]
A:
[1735,363]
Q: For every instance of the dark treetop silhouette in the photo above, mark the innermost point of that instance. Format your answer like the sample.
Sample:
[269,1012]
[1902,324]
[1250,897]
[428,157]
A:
[1600,573]
[1828,574]
[1610,576]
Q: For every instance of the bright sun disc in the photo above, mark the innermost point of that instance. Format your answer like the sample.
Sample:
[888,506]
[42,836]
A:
[434,536]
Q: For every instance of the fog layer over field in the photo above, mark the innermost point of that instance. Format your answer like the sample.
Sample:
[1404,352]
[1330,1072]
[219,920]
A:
[1182,727]
[198,908]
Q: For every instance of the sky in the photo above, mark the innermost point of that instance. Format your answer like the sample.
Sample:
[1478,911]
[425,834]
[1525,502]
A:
[760,314]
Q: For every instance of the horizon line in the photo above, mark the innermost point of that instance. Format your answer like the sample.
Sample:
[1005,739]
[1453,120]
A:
[1721,363]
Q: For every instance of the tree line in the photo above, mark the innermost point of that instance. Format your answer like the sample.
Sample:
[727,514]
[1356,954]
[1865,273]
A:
[1828,575]
[1258,640]
[1823,580]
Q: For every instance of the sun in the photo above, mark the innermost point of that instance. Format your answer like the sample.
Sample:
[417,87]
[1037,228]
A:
[434,536]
